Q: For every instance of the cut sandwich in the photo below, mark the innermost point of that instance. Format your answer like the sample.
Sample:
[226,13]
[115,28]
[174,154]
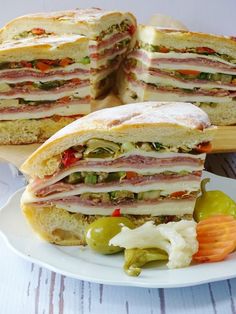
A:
[143,159]
[110,34]
[44,85]
[174,65]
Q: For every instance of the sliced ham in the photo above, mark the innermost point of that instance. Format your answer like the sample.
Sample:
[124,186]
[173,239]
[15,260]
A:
[22,91]
[72,107]
[108,54]
[151,75]
[140,164]
[193,62]
[134,183]
[109,42]
[190,95]
[19,75]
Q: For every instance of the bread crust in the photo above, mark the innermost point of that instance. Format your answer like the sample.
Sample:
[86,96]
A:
[181,39]
[58,226]
[51,47]
[168,123]
[88,22]
[30,131]
[220,113]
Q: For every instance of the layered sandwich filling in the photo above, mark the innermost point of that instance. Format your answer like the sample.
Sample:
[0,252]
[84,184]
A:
[196,74]
[107,50]
[107,47]
[45,87]
[143,178]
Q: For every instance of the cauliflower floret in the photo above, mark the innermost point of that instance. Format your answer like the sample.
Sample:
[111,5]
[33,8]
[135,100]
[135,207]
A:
[178,239]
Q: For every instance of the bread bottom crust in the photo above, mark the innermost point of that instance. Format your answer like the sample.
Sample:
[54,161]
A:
[58,226]
[32,130]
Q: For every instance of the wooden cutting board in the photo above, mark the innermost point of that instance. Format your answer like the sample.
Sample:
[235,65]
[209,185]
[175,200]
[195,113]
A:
[225,139]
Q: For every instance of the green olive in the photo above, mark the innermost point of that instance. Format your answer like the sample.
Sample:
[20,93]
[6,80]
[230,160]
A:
[101,231]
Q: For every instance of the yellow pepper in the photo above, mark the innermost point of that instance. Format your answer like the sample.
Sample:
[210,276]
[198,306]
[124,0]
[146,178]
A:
[211,203]
[136,258]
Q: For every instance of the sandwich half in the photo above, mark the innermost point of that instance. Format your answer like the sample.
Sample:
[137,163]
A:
[44,85]
[110,34]
[144,159]
[174,65]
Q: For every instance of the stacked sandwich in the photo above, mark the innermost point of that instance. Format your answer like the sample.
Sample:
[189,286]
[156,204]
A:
[143,159]
[171,65]
[44,85]
[52,65]
[110,34]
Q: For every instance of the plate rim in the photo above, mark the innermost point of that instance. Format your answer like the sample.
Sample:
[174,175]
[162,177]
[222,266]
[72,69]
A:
[128,283]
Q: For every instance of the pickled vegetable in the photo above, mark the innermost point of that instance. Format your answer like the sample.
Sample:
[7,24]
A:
[149,195]
[97,148]
[90,178]
[226,78]
[146,146]
[74,178]
[203,76]
[116,176]
[216,236]
[85,60]
[50,84]
[102,230]
[158,146]
[212,203]
[136,258]
[127,147]
[122,195]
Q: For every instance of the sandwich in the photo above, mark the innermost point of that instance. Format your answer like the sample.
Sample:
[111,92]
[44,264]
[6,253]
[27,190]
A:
[143,159]
[44,85]
[178,65]
[110,35]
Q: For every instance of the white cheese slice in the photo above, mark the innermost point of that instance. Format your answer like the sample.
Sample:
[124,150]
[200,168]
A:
[175,65]
[50,94]
[178,207]
[149,94]
[67,110]
[64,76]
[172,81]
[143,171]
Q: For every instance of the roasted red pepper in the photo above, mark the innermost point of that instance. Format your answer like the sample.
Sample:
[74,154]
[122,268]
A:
[164,49]
[38,31]
[204,147]
[131,174]
[205,50]
[69,158]
[26,64]
[131,29]
[178,194]
[116,213]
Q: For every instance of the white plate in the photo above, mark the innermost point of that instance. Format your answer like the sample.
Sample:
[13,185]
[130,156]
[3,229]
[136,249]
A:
[82,263]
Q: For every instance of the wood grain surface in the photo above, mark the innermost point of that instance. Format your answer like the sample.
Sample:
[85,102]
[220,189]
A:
[26,288]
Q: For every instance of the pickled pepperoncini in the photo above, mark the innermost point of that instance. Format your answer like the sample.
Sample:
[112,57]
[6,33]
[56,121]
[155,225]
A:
[136,258]
[211,203]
